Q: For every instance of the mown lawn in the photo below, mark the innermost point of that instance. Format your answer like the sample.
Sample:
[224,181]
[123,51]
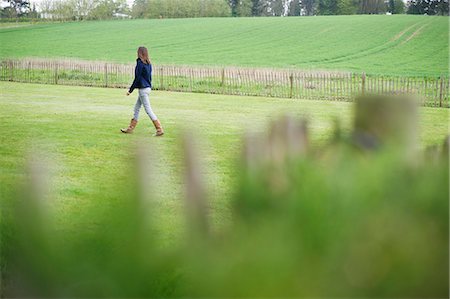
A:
[77,130]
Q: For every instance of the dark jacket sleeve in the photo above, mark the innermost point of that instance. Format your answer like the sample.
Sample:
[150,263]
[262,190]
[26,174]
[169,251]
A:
[137,76]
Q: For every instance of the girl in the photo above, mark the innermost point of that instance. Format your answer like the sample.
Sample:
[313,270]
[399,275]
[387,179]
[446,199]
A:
[143,82]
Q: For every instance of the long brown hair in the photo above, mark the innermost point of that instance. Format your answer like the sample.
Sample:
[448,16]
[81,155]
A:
[143,55]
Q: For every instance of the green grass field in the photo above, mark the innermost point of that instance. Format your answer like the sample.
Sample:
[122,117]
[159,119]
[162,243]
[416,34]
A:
[77,129]
[388,45]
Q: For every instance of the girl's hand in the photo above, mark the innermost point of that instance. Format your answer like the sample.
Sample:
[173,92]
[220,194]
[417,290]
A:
[128,93]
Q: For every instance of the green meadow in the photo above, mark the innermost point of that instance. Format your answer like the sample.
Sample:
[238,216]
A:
[384,45]
[76,129]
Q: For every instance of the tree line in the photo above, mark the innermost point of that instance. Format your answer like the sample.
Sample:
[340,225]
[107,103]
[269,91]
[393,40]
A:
[255,8]
[66,9]
[108,9]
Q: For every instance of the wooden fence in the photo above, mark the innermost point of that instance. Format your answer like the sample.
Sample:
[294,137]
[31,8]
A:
[283,83]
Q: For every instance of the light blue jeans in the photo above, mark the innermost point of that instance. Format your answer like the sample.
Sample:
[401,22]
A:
[144,99]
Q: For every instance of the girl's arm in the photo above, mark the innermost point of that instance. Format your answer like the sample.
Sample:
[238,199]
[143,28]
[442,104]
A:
[137,76]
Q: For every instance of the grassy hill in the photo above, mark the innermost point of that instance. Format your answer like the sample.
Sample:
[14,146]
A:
[402,45]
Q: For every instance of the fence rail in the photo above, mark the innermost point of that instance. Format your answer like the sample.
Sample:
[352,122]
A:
[283,83]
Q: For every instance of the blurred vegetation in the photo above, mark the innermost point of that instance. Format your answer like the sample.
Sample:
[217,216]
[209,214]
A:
[364,216]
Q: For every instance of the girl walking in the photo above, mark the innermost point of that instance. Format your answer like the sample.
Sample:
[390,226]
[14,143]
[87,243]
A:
[143,82]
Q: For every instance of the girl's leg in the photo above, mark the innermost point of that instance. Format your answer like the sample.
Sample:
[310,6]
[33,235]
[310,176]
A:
[145,100]
[134,120]
[137,107]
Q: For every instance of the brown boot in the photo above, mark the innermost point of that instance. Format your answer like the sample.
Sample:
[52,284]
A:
[131,127]
[158,127]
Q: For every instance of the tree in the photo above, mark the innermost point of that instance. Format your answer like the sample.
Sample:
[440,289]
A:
[396,6]
[63,10]
[139,9]
[33,12]
[217,8]
[442,8]
[233,5]
[327,7]
[46,8]
[8,13]
[244,8]
[105,9]
[295,8]
[260,7]
[17,8]
[275,8]
[309,6]
[429,7]
[347,7]
[82,8]
[372,7]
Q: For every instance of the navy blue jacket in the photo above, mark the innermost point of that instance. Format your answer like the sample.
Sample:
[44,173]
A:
[142,75]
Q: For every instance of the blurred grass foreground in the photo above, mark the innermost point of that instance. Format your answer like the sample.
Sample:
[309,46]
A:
[367,215]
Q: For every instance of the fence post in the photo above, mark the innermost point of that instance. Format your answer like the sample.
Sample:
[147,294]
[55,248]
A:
[441,88]
[106,75]
[363,83]
[161,78]
[351,86]
[291,87]
[56,73]
[29,71]
[190,79]
[222,81]
[11,71]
